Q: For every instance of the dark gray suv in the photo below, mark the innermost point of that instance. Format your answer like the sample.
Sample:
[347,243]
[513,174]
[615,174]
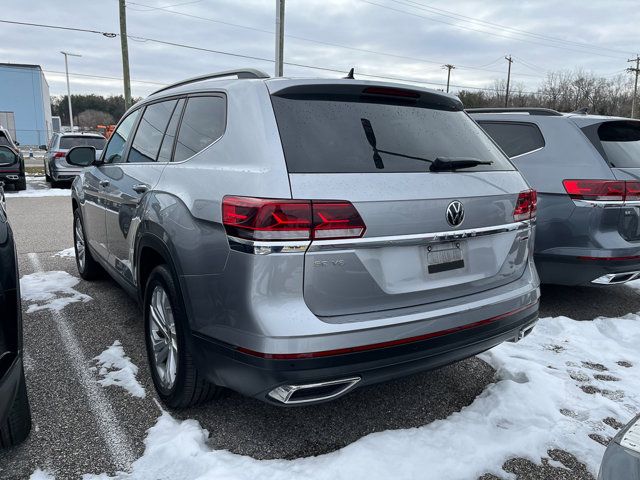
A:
[294,239]
[586,169]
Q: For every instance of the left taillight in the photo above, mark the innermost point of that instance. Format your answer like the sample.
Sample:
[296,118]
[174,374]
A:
[59,155]
[526,206]
[273,219]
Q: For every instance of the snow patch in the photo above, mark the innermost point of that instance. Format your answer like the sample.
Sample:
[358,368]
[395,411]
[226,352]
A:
[66,253]
[116,368]
[38,187]
[50,291]
[41,475]
[534,405]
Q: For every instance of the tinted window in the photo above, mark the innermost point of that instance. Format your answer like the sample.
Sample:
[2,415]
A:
[202,124]
[167,142]
[81,141]
[148,138]
[621,143]
[115,147]
[338,136]
[5,141]
[515,138]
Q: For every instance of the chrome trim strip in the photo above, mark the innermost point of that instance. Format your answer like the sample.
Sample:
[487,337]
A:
[420,238]
[605,203]
[266,248]
[284,393]
[527,153]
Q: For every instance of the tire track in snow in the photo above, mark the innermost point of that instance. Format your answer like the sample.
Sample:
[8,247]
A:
[115,438]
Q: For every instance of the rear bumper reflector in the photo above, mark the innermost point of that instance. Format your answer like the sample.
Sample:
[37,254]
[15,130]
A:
[375,346]
[611,259]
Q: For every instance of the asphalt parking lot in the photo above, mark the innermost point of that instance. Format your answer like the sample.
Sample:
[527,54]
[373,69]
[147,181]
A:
[81,427]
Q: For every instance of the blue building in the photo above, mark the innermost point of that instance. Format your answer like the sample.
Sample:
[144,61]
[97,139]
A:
[24,96]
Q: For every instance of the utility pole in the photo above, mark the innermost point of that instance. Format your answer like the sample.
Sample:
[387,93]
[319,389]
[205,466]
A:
[635,88]
[506,96]
[449,67]
[66,69]
[125,54]
[279,37]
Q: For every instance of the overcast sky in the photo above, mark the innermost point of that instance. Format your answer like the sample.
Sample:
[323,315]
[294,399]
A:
[412,38]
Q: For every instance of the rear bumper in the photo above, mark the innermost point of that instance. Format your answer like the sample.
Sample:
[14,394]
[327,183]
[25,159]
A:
[255,374]
[11,177]
[574,270]
[64,174]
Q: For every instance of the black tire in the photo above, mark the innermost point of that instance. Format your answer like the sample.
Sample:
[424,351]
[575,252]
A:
[189,387]
[88,269]
[15,429]
[21,184]
[46,175]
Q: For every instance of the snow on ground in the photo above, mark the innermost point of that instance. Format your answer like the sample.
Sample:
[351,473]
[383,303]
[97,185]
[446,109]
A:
[41,475]
[38,187]
[66,253]
[51,290]
[554,389]
[116,368]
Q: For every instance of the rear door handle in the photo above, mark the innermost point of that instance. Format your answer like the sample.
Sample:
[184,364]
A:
[140,188]
[105,183]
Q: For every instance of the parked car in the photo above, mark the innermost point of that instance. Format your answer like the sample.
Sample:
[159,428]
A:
[56,169]
[295,239]
[622,458]
[15,415]
[11,164]
[586,169]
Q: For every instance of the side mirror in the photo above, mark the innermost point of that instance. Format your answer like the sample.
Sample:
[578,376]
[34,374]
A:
[42,147]
[81,156]
[17,144]
[7,155]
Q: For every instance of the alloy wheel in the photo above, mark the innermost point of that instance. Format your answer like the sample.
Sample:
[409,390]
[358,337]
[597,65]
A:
[162,333]
[80,246]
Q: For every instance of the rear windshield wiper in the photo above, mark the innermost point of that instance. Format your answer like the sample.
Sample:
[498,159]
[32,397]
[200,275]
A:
[444,164]
[373,142]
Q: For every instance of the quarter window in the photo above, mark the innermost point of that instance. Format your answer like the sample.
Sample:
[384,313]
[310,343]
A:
[515,138]
[202,124]
[146,143]
[118,141]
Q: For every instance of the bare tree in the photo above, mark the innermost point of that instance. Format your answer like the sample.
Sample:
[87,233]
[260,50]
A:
[90,119]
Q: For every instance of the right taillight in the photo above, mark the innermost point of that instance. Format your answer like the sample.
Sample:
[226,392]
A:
[599,190]
[273,219]
[526,206]
[59,155]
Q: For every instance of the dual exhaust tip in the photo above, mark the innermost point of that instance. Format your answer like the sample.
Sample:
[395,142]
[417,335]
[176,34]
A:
[312,392]
[616,278]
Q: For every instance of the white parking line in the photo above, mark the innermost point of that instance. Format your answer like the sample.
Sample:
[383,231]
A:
[116,440]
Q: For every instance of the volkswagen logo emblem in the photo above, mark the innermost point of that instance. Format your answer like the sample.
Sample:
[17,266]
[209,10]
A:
[455,213]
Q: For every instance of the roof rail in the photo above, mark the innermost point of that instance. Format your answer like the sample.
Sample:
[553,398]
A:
[243,73]
[531,111]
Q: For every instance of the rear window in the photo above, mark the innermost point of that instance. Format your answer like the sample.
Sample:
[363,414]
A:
[81,141]
[620,142]
[515,138]
[337,136]
[4,140]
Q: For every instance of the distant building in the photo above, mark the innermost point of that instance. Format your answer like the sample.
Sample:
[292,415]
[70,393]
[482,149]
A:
[24,97]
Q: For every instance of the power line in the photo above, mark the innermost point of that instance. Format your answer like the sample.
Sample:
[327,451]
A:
[495,34]
[330,44]
[106,34]
[457,16]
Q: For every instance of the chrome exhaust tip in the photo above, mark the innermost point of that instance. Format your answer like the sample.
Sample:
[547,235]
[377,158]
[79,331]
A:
[12,177]
[616,278]
[523,332]
[312,392]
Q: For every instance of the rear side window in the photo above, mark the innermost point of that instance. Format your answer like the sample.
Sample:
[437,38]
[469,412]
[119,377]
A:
[203,122]
[620,142]
[344,135]
[167,142]
[81,141]
[515,138]
[4,140]
[154,121]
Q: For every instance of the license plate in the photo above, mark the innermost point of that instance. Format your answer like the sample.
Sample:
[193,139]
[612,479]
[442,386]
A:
[443,257]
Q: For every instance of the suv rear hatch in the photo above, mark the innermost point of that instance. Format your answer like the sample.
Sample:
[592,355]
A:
[67,142]
[618,142]
[8,163]
[373,146]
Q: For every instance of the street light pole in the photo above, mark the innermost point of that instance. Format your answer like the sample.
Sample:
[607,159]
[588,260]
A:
[66,69]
